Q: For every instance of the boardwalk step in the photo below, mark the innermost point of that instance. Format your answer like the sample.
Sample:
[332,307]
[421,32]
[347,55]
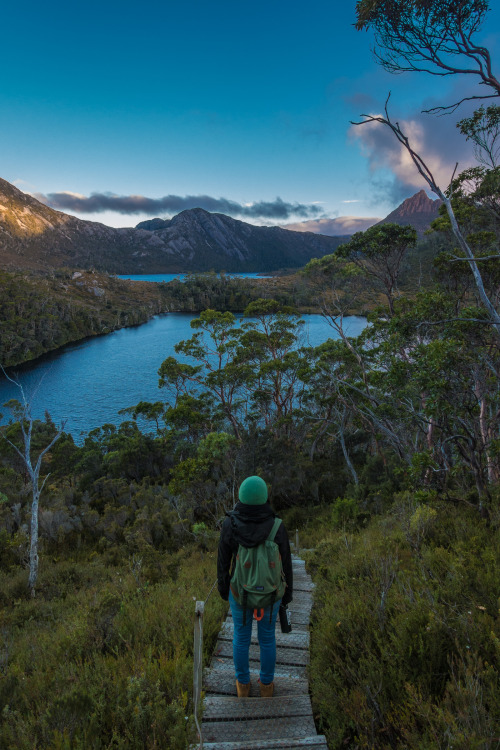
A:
[221,680]
[224,649]
[260,729]
[226,666]
[295,639]
[302,586]
[223,708]
[318,742]
[300,621]
[299,614]
[284,721]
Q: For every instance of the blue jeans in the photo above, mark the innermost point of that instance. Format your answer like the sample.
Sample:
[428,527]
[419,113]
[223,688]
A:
[242,637]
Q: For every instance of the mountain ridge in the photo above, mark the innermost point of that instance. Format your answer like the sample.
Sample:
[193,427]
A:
[35,236]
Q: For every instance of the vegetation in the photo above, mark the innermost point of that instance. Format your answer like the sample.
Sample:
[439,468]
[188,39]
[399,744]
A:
[40,313]
[384,448]
[389,441]
[405,645]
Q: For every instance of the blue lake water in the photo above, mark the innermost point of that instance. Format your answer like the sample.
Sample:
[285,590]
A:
[87,383]
[166,277]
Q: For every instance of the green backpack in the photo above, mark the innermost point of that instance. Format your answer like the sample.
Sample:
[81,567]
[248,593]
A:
[258,579]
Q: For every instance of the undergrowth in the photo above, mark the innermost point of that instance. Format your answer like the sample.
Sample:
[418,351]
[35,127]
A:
[405,648]
[103,657]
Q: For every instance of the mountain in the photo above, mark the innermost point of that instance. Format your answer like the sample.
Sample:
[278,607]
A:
[34,236]
[419,211]
[210,240]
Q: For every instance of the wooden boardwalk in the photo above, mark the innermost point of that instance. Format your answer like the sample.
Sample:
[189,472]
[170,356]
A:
[283,721]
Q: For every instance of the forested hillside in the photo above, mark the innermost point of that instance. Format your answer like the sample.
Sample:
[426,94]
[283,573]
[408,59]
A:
[42,312]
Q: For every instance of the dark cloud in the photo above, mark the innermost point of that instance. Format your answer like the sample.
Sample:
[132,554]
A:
[172,204]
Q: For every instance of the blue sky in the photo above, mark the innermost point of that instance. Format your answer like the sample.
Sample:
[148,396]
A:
[228,100]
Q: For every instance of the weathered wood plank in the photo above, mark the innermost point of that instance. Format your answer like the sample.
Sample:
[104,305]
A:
[220,680]
[260,729]
[223,707]
[295,639]
[318,742]
[224,649]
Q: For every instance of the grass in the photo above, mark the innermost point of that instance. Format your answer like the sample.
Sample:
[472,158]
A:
[405,648]
[102,657]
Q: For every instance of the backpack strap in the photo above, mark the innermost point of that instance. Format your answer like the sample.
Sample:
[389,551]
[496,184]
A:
[277,523]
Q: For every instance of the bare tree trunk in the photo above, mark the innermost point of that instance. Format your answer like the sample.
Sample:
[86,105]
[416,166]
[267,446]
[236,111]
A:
[346,456]
[484,432]
[23,413]
[344,448]
[34,543]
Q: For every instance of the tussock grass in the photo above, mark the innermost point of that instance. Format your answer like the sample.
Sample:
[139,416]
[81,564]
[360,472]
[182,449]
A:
[102,657]
[406,629]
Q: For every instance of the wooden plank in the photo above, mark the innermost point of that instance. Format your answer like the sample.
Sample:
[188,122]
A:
[222,681]
[261,729]
[224,650]
[226,667]
[295,639]
[317,741]
[223,707]
[284,721]
[300,623]
[303,585]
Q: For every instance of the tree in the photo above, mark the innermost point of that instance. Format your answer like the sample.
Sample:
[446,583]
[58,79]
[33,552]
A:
[216,378]
[21,410]
[428,176]
[436,37]
[379,252]
[483,129]
[431,36]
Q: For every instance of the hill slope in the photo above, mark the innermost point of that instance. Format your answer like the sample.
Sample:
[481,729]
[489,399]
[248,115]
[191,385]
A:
[34,236]
[418,211]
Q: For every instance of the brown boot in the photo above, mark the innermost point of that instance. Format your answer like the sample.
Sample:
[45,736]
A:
[266,691]
[243,690]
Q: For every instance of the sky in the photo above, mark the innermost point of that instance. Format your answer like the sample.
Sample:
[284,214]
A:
[119,111]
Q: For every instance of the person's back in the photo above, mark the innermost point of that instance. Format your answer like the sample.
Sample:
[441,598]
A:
[249,525]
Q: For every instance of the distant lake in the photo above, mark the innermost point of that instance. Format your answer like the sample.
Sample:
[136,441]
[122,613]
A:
[87,383]
[166,277]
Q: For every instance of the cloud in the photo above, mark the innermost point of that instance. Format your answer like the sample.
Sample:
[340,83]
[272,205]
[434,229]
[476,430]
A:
[435,139]
[172,204]
[341,226]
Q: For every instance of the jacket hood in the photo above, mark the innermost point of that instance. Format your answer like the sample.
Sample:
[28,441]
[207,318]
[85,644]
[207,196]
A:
[251,524]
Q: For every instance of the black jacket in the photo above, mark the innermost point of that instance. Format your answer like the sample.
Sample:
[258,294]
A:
[250,525]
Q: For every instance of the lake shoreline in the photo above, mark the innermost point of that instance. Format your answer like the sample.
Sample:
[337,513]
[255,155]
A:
[91,382]
[71,307]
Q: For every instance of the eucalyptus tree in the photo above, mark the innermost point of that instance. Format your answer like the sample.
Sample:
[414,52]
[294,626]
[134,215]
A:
[217,377]
[379,252]
[432,36]
[269,349]
[437,37]
[20,436]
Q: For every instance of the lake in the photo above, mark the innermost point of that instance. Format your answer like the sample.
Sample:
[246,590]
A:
[166,277]
[87,383]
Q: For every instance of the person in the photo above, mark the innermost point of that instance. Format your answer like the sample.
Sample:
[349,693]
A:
[249,524]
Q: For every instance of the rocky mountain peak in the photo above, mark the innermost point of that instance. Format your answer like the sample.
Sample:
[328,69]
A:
[419,210]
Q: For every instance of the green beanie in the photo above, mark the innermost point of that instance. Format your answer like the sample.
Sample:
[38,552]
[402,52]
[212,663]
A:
[253,491]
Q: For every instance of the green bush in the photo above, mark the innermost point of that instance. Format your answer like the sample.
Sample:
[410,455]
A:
[405,648]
